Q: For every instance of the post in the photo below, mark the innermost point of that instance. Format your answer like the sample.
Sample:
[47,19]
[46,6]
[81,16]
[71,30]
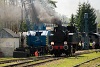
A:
[96,27]
[86,44]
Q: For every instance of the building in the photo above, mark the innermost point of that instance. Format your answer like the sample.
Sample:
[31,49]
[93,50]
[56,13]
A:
[8,42]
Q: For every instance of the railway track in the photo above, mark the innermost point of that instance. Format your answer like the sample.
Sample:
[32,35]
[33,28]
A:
[87,62]
[7,63]
[22,59]
[28,62]
[41,62]
[32,62]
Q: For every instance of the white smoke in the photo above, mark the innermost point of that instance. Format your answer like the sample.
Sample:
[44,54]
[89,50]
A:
[9,14]
[45,13]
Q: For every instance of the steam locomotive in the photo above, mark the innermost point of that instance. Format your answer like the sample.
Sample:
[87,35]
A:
[96,38]
[63,40]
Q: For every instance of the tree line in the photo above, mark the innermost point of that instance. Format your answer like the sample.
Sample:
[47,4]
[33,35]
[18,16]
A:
[11,16]
[79,19]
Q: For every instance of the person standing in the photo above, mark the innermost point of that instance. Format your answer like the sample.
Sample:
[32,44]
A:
[93,44]
[82,45]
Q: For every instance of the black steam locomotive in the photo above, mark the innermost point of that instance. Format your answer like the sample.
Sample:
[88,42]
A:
[63,40]
[96,38]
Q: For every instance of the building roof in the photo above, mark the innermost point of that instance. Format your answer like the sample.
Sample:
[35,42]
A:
[11,32]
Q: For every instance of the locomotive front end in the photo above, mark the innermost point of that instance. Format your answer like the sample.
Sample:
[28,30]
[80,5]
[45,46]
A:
[58,41]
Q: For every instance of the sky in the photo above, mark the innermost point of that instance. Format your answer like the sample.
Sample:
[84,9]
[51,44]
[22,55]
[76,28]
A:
[68,7]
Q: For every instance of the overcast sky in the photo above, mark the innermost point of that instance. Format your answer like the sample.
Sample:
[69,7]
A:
[67,7]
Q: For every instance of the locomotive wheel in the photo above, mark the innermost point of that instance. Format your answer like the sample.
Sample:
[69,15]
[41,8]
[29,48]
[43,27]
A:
[57,54]
[74,50]
[71,52]
[67,53]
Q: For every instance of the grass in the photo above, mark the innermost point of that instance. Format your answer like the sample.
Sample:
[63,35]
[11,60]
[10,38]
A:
[9,58]
[2,59]
[70,61]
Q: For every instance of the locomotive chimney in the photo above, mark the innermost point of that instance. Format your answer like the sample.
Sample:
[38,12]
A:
[56,21]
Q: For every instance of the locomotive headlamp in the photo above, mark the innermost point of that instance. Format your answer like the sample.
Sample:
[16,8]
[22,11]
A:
[65,43]
[52,43]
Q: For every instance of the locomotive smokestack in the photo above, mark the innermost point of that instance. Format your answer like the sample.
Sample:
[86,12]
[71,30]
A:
[57,21]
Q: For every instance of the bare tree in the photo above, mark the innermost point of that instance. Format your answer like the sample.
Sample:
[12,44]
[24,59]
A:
[10,14]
